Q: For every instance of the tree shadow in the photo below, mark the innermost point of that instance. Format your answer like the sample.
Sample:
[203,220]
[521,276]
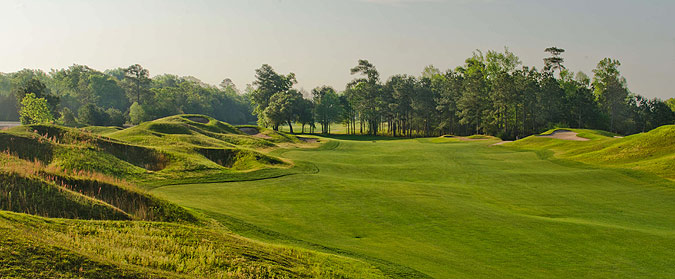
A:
[360,137]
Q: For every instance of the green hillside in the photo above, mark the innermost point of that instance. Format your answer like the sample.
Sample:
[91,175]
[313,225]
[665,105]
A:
[187,148]
[652,151]
[108,226]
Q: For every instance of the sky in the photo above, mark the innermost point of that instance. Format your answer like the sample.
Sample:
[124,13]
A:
[320,40]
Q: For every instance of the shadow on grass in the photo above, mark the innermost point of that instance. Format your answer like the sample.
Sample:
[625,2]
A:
[354,137]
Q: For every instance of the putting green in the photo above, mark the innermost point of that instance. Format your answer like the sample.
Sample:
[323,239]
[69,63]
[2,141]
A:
[453,209]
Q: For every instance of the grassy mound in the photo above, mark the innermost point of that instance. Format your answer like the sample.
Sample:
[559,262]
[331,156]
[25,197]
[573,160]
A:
[652,151]
[33,188]
[268,134]
[74,149]
[200,146]
[155,152]
[39,197]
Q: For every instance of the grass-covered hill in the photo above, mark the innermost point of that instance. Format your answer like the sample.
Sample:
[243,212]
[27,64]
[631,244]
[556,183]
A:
[652,151]
[70,205]
[170,150]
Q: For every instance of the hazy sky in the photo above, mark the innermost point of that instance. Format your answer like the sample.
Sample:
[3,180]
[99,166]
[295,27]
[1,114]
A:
[320,40]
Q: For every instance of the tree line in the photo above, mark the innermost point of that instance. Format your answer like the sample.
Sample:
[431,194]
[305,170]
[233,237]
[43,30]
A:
[80,95]
[492,93]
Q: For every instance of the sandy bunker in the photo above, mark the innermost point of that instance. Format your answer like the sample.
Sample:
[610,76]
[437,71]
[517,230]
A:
[254,132]
[564,135]
[198,119]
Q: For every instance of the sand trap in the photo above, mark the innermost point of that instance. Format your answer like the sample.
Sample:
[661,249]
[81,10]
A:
[564,135]
[254,132]
[249,130]
[308,140]
[198,119]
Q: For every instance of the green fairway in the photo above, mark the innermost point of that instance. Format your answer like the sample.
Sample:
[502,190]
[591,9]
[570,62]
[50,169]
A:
[452,209]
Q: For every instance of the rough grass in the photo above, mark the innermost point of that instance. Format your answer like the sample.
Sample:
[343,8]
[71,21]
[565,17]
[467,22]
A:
[459,210]
[39,197]
[60,248]
[32,187]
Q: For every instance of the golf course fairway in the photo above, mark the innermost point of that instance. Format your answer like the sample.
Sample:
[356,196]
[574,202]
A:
[446,209]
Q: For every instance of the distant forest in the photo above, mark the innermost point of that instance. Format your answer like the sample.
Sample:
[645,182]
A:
[492,93]
[80,95]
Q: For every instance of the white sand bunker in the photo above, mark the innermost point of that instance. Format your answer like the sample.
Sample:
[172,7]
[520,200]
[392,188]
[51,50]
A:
[564,135]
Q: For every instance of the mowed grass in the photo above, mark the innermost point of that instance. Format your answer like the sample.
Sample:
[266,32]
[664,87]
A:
[453,209]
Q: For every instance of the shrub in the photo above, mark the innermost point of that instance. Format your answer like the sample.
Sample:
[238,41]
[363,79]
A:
[136,114]
[35,110]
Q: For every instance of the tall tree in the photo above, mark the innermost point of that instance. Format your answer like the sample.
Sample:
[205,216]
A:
[138,79]
[283,107]
[473,105]
[579,102]
[267,84]
[611,92]
[554,62]
[367,90]
[326,106]
[306,114]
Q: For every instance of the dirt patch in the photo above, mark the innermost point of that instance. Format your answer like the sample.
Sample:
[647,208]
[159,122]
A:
[249,130]
[564,135]
[501,142]
[262,136]
[198,119]
[464,138]
[308,140]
